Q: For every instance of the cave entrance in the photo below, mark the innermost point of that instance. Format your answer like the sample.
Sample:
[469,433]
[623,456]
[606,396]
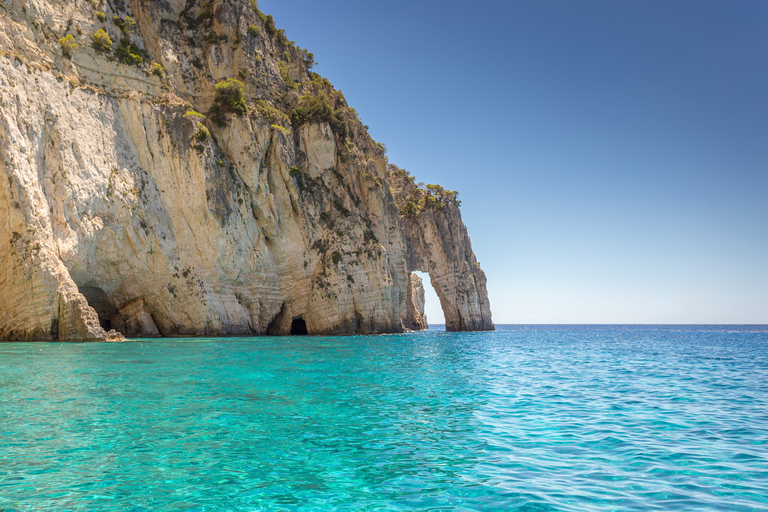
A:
[100,302]
[432,307]
[299,327]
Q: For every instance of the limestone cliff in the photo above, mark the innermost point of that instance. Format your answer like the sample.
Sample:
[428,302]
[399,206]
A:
[437,243]
[123,207]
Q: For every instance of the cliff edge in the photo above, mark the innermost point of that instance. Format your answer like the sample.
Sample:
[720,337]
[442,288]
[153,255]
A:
[176,168]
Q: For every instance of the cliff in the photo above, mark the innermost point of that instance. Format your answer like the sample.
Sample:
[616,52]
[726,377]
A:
[437,243]
[176,168]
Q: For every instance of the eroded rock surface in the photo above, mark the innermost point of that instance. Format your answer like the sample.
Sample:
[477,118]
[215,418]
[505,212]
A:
[414,318]
[117,212]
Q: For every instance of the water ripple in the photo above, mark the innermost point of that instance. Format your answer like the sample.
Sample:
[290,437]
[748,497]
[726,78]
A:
[529,418]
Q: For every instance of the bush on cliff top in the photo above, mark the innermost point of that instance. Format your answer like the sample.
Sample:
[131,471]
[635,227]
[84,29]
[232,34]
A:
[412,199]
[316,109]
[269,23]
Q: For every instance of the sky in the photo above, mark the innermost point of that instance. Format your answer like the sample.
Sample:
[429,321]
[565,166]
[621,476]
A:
[611,157]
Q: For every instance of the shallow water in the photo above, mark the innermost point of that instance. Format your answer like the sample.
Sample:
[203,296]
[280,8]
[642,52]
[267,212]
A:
[572,418]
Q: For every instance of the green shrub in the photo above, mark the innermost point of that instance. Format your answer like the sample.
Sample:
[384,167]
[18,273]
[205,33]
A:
[308,58]
[230,96]
[339,123]
[283,129]
[101,16]
[283,39]
[158,69]
[312,109]
[336,257]
[253,30]
[202,133]
[269,23]
[285,74]
[409,209]
[129,53]
[211,39]
[127,25]
[295,171]
[68,44]
[320,81]
[412,199]
[274,115]
[316,109]
[194,115]
[101,41]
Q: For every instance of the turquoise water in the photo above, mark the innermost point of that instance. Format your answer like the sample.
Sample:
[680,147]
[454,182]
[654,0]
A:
[524,418]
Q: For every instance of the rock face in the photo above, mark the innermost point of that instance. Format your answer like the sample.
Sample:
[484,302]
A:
[414,318]
[123,208]
[438,243]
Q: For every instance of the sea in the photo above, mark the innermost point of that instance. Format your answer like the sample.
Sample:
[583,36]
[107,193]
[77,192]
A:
[528,418]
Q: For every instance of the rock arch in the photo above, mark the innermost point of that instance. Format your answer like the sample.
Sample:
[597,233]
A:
[438,244]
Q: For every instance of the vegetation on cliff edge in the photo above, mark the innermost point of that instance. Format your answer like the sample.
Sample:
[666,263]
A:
[414,198]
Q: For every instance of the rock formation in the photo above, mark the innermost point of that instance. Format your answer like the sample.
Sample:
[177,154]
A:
[122,207]
[438,243]
[414,318]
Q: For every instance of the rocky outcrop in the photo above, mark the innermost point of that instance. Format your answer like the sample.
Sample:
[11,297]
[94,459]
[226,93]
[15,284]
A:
[123,208]
[414,318]
[438,243]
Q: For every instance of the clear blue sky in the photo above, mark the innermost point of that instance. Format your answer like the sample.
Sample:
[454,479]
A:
[611,156]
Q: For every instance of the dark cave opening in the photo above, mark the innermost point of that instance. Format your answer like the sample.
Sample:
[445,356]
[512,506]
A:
[274,324]
[101,303]
[299,327]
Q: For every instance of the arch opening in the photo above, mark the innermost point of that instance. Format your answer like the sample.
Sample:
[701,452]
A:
[422,303]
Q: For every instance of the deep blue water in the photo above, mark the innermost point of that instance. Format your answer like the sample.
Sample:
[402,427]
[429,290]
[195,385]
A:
[534,418]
